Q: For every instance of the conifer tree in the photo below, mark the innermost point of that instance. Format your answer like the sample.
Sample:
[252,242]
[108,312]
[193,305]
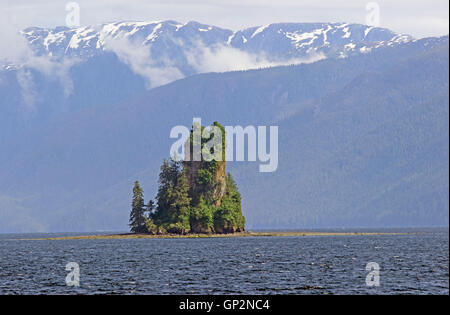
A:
[166,184]
[137,215]
[172,200]
[180,203]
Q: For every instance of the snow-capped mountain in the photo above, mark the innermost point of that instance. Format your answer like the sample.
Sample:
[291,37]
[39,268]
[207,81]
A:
[170,39]
[164,51]
[161,52]
[64,69]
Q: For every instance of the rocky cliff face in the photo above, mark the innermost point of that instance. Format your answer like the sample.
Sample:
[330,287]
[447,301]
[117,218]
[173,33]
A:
[208,187]
[220,179]
[212,192]
[207,179]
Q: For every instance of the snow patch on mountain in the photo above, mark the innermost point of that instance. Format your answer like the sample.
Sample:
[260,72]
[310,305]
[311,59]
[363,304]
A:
[88,41]
[163,51]
[259,30]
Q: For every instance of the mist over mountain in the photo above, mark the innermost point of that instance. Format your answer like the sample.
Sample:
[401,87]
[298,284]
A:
[60,70]
[362,116]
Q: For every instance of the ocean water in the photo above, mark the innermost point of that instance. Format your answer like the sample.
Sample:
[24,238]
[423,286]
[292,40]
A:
[416,263]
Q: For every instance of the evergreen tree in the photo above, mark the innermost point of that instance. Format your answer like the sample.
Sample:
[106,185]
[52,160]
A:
[162,197]
[137,215]
[180,203]
[172,200]
[149,208]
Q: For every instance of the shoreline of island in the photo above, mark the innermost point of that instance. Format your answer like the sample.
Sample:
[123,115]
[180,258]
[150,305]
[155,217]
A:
[230,235]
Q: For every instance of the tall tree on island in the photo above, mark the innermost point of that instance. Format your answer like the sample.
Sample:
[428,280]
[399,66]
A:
[173,201]
[137,215]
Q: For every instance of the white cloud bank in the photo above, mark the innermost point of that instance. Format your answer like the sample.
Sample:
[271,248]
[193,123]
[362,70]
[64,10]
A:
[138,58]
[15,51]
[221,58]
[201,58]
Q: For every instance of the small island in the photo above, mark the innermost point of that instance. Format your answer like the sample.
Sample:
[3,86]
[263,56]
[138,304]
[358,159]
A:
[195,196]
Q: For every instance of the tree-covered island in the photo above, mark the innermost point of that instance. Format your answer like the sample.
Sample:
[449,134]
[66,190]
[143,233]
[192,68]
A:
[195,196]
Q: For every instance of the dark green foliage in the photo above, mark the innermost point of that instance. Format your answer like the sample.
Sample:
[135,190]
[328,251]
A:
[201,219]
[205,186]
[173,201]
[152,228]
[137,215]
[166,183]
[228,218]
[180,203]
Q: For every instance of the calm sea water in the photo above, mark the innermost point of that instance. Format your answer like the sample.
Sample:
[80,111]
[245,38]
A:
[409,264]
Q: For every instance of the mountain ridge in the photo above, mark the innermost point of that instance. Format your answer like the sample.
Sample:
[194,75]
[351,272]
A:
[67,41]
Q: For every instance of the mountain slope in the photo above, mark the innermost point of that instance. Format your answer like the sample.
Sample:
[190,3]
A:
[373,154]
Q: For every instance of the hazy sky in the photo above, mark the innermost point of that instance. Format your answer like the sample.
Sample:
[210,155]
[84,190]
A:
[419,18]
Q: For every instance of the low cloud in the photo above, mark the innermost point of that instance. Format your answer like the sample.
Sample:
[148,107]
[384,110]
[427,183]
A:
[26,83]
[58,70]
[221,58]
[138,57]
[201,58]
[16,52]
[14,47]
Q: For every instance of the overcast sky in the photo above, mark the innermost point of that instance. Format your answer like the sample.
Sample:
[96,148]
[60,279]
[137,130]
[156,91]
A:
[419,18]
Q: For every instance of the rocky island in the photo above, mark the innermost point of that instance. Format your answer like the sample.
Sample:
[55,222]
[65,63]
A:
[195,196]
